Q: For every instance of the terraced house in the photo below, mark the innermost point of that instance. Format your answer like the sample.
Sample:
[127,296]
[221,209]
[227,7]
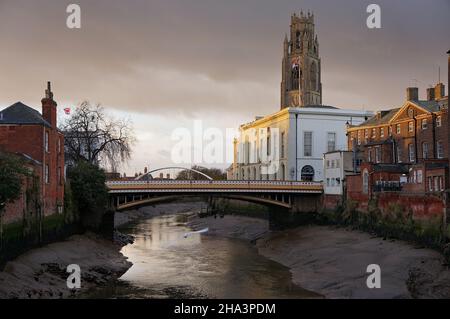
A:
[400,158]
[410,141]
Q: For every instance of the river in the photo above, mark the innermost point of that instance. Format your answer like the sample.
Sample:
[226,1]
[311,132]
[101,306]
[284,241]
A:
[166,264]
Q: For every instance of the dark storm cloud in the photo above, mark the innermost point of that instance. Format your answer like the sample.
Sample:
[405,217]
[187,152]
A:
[202,56]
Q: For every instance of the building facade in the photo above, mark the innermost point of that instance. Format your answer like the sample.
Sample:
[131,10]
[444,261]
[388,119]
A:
[301,69]
[337,165]
[289,145]
[414,139]
[35,136]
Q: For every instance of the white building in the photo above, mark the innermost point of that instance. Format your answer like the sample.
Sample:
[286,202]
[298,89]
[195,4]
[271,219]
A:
[336,166]
[290,144]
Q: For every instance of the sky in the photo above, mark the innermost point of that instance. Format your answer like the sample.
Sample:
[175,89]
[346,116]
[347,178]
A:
[164,64]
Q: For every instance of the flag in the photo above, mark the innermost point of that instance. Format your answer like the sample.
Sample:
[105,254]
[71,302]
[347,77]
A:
[67,110]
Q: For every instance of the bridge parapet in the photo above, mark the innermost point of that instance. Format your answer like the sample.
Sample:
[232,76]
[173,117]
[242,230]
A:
[117,186]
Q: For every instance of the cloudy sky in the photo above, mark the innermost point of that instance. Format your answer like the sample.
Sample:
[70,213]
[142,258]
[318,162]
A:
[166,63]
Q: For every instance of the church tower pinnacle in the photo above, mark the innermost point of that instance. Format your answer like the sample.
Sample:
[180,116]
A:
[301,81]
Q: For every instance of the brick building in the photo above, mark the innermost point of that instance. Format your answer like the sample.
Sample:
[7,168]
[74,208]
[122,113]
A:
[24,131]
[411,141]
[401,157]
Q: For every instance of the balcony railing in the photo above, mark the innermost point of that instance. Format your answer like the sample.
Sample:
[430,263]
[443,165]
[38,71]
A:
[387,186]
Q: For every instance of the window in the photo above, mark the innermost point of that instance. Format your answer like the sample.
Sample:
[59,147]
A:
[337,163]
[359,137]
[425,153]
[410,127]
[374,133]
[411,152]
[390,130]
[439,121]
[268,142]
[307,146]
[398,127]
[378,154]
[46,141]
[382,132]
[399,154]
[328,163]
[419,176]
[369,155]
[365,182]
[59,176]
[47,173]
[440,149]
[441,183]
[331,142]
[59,145]
[328,182]
[366,134]
[430,184]
[436,183]
[424,124]
[282,145]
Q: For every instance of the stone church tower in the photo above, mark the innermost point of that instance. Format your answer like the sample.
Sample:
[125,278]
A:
[301,84]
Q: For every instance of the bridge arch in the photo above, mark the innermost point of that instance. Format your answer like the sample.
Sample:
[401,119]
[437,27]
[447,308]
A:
[154,200]
[142,177]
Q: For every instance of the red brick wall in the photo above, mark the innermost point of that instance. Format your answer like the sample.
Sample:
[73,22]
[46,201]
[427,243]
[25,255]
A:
[331,201]
[423,207]
[29,139]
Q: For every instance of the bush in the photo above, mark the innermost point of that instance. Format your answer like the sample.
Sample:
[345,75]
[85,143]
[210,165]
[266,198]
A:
[89,193]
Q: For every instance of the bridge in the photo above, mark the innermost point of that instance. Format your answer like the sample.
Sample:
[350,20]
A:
[299,196]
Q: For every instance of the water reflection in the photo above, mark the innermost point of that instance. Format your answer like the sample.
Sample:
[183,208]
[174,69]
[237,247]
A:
[168,265]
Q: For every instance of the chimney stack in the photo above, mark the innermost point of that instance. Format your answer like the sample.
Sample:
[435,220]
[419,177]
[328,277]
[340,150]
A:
[430,94]
[439,91]
[49,107]
[412,94]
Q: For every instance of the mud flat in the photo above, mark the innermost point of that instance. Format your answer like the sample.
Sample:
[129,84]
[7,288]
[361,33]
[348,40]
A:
[41,273]
[333,262]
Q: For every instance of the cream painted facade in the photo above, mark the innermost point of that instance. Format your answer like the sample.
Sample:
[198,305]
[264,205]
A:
[294,149]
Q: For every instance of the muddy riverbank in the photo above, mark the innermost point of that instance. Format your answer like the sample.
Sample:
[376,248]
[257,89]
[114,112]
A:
[333,261]
[41,273]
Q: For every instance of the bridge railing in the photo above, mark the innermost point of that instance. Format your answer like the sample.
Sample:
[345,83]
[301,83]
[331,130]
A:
[204,182]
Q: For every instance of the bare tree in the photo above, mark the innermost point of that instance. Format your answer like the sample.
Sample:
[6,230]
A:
[93,136]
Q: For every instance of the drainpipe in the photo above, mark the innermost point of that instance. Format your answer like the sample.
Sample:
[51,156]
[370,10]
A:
[296,146]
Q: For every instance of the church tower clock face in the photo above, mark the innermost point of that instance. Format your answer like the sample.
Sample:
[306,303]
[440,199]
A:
[301,78]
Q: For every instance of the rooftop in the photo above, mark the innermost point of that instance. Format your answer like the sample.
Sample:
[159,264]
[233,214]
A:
[21,114]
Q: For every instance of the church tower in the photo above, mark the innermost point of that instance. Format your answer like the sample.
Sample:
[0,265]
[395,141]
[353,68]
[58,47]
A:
[301,83]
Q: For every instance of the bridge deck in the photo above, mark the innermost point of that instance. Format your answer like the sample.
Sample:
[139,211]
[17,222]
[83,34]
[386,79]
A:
[175,186]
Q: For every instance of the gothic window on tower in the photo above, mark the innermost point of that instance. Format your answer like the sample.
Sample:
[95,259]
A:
[295,76]
[313,76]
[297,40]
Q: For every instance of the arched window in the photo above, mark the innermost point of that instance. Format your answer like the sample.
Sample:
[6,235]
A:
[297,40]
[295,76]
[254,173]
[313,77]
[307,173]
